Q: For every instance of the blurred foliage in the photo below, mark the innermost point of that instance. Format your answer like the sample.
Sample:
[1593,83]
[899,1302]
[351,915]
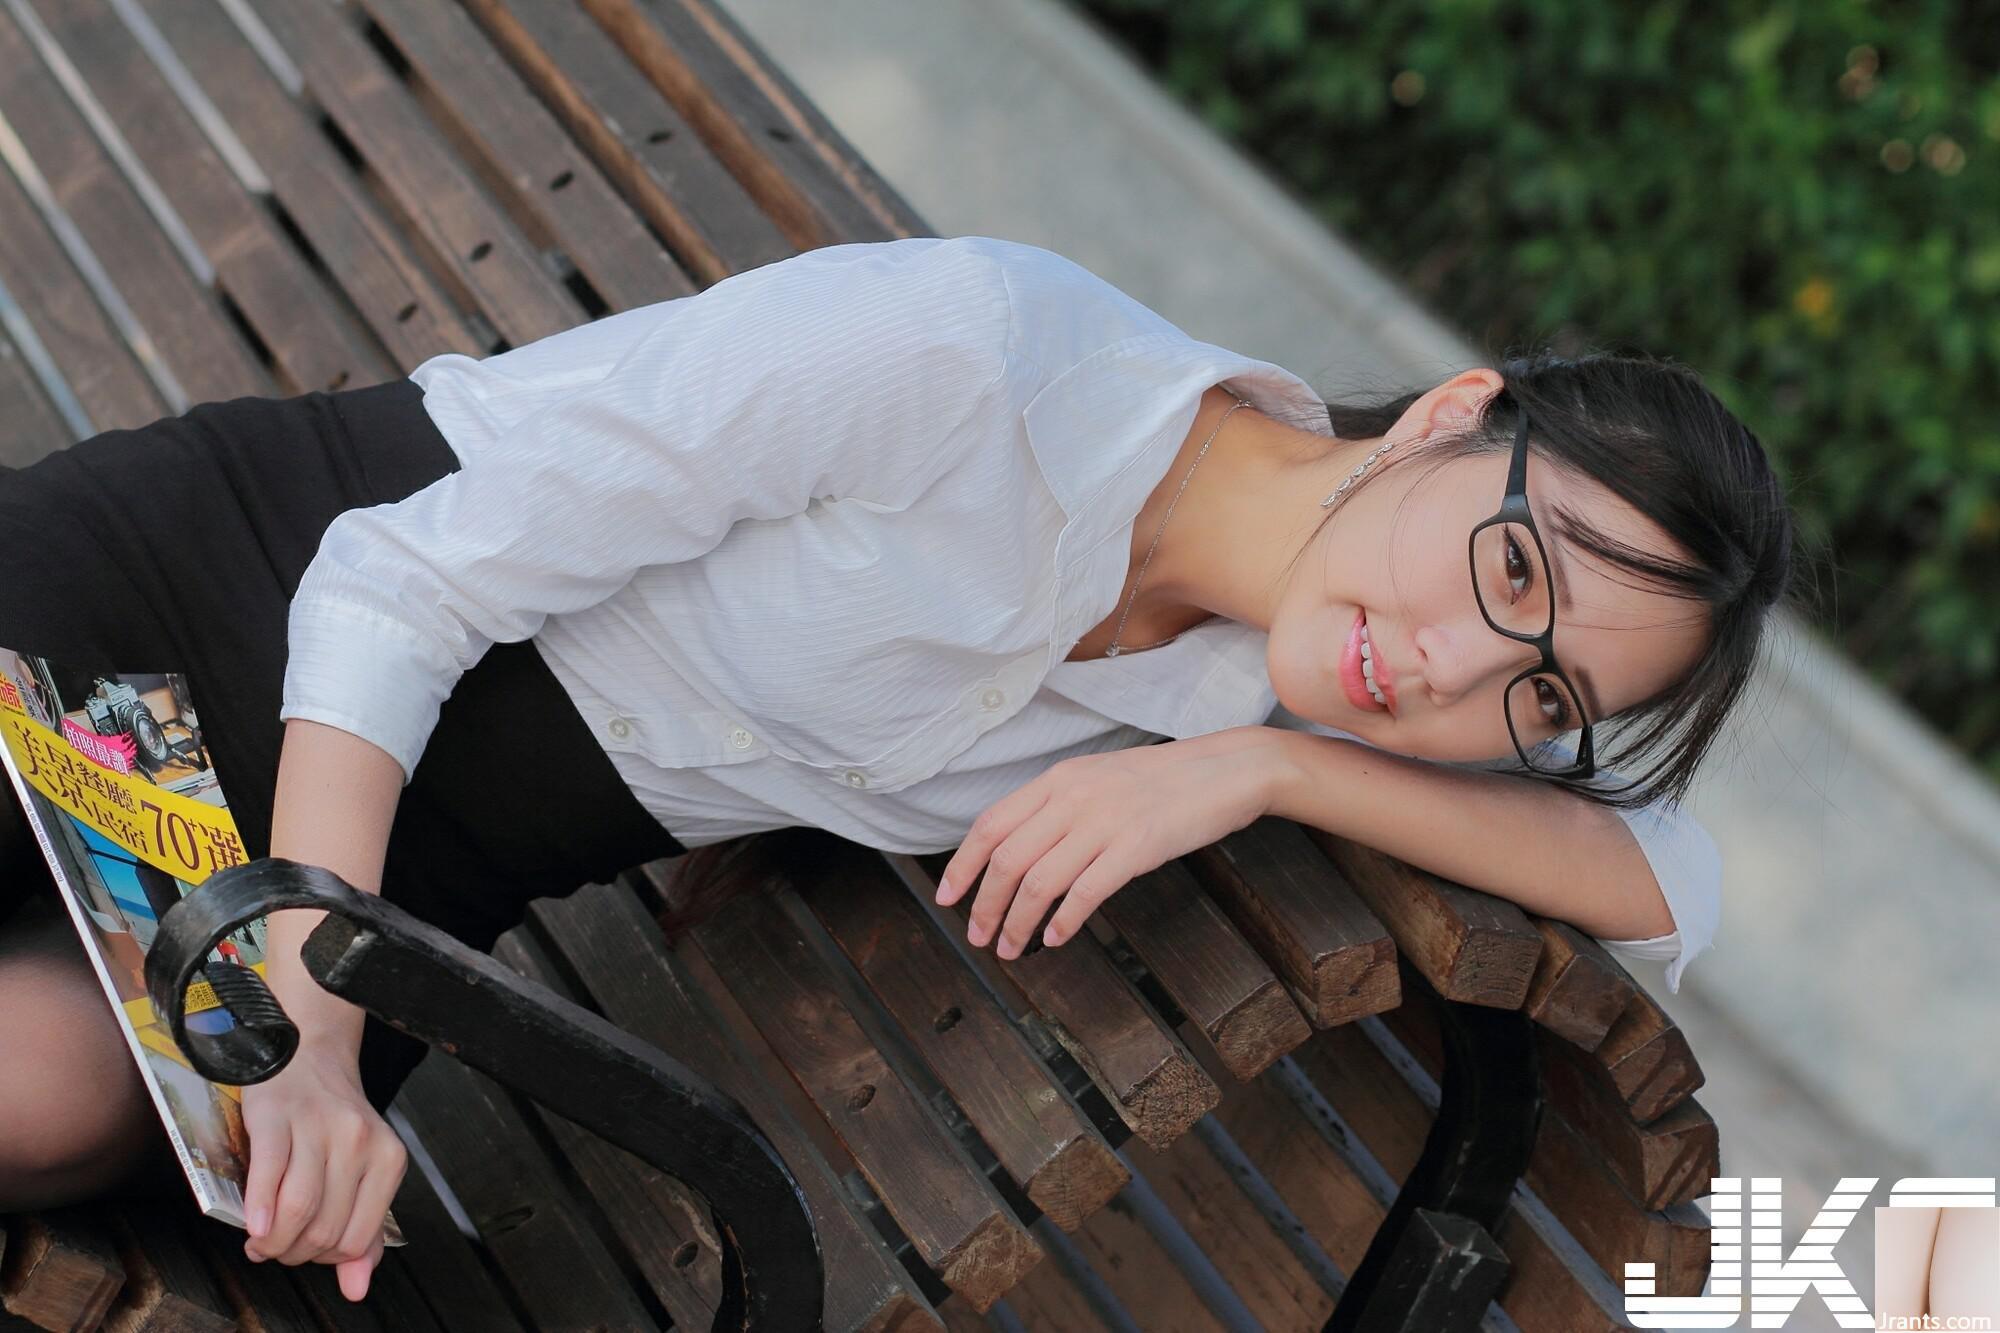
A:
[1800,200]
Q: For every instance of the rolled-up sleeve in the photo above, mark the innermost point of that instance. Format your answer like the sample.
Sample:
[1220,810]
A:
[844,371]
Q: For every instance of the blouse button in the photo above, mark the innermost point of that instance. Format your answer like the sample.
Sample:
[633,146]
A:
[856,778]
[992,699]
[740,738]
[620,728]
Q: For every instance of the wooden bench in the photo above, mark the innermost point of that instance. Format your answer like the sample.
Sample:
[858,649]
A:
[1209,1110]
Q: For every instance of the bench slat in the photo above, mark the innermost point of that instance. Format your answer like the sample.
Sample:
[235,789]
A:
[167,1286]
[1649,1059]
[1306,923]
[59,1268]
[312,341]
[398,299]
[1578,989]
[1060,1161]
[663,1226]
[1233,1233]
[470,243]
[1157,1087]
[1471,946]
[88,352]
[641,142]
[33,428]
[183,322]
[546,1249]
[497,122]
[942,1202]
[725,101]
[608,941]
[1234,1000]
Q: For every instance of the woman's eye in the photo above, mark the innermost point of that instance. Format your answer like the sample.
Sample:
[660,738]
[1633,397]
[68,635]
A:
[1518,561]
[1555,708]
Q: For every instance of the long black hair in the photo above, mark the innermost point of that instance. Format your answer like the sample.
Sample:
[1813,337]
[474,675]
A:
[1653,434]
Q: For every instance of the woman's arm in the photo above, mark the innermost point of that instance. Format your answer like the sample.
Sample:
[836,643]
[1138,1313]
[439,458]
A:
[323,1165]
[336,798]
[1552,852]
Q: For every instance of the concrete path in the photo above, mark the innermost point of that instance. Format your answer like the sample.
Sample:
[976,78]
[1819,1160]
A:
[1845,1016]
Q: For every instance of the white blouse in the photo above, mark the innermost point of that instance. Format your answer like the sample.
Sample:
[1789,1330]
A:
[811,546]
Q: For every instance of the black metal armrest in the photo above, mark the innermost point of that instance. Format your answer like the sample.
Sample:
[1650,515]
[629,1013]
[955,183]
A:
[1433,1265]
[424,982]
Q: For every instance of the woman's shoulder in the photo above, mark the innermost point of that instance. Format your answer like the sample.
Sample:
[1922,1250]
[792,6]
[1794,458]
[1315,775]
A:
[1062,310]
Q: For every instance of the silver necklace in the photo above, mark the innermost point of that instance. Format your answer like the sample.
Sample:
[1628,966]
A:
[1330,500]
[1114,649]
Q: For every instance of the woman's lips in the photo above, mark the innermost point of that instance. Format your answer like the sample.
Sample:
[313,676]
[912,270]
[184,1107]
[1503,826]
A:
[1353,682]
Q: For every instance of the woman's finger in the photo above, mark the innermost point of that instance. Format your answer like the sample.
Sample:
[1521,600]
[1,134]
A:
[354,1274]
[371,1202]
[346,1161]
[270,1150]
[1111,871]
[994,824]
[298,1197]
[1011,860]
[1048,879]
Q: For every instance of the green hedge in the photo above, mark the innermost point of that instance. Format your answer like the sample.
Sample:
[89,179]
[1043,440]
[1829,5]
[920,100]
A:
[1800,200]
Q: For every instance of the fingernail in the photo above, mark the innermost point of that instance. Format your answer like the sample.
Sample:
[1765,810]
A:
[1052,936]
[260,1220]
[944,888]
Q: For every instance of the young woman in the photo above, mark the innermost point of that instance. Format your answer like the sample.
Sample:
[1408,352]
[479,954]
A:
[920,542]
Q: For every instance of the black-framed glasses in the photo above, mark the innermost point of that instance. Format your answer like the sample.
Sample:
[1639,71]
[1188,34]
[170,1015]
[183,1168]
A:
[1541,703]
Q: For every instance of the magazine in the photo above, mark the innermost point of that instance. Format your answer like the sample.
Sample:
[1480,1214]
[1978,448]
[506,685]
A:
[117,783]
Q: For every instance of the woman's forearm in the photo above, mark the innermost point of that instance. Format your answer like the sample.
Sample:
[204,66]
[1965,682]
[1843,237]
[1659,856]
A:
[1552,852]
[335,801]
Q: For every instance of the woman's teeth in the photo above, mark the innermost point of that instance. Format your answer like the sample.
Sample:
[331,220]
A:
[1368,666]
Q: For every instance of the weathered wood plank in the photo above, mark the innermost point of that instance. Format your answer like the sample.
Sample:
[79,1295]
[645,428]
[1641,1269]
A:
[1157,1087]
[61,1268]
[544,1244]
[801,119]
[663,1226]
[1206,1199]
[168,1288]
[396,297]
[1472,946]
[33,428]
[88,352]
[183,323]
[641,142]
[939,1198]
[314,343]
[1307,923]
[1649,1059]
[1578,989]
[606,939]
[1212,973]
[1042,1141]
[727,106]
[471,244]
[562,199]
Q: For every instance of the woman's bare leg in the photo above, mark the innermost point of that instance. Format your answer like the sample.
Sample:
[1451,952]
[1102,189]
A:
[77,1115]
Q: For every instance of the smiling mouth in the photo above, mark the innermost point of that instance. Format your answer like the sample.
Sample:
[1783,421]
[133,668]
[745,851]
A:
[1374,675]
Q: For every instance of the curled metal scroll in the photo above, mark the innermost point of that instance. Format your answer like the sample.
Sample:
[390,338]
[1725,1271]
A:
[424,982]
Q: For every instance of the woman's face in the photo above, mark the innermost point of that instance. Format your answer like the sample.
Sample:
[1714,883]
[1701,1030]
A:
[1394,557]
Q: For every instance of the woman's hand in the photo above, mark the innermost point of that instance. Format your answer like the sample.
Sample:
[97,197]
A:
[324,1168]
[1089,824]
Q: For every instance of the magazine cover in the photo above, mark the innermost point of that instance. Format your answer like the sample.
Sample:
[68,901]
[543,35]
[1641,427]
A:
[117,784]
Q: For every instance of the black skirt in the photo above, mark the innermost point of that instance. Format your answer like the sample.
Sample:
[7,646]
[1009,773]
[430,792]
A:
[177,546]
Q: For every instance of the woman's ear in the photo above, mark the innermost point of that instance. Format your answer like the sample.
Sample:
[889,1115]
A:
[1460,399]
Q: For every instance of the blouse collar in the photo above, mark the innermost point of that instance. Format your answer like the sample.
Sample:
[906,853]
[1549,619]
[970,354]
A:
[1104,433]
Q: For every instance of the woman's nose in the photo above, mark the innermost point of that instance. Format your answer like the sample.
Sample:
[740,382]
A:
[1463,658]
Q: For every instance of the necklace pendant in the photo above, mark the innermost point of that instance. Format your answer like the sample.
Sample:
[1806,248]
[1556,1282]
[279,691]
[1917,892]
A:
[1112,651]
